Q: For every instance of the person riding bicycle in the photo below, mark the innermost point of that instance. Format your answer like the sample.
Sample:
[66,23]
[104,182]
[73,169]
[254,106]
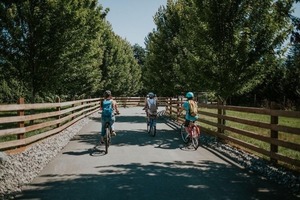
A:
[186,106]
[151,105]
[109,107]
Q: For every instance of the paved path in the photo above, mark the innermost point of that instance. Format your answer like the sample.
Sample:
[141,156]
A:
[141,167]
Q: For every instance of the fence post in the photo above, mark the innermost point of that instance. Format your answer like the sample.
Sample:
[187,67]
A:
[73,105]
[58,109]
[166,103]
[21,124]
[177,118]
[274,134]
[171,106]
[220,121]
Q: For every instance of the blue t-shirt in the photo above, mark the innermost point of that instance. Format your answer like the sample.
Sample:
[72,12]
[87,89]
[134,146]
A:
[187,109]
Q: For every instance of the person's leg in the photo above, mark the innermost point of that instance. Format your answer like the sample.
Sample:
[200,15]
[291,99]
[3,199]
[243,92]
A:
[103,132]
[186,125]
[112,121]
[147,114]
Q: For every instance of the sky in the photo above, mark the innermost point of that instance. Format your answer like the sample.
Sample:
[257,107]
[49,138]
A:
[133,19]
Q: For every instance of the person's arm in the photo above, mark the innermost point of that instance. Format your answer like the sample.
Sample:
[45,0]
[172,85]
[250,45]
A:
[115,106]
[146,104]
[181,108]
[101,105]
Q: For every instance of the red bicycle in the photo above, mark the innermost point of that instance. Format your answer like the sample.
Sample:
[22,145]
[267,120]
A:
[192,135]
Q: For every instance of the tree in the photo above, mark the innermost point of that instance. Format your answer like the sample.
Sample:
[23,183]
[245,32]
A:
[139,54]
[166,62]
[239,37]
[120,71]
[51,46]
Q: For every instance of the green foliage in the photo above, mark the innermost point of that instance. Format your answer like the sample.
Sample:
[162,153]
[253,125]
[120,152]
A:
[292,78]
[240,36]
[53,47]
[167,63]
[140,56]
[228,47]
[120,70]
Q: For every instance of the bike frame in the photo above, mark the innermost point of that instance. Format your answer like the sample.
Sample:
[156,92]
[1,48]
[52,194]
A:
[107,138]
[191,136]
[151,124]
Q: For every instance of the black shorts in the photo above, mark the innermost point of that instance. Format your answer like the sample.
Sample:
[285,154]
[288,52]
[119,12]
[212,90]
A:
[187,123]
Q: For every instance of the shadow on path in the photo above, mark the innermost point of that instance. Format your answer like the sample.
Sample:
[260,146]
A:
[158,180]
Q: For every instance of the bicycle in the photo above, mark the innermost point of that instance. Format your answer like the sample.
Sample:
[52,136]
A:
[192,136]
[108,135]
[151,124]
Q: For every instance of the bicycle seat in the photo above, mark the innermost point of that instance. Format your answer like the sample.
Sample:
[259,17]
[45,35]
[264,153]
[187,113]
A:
[152,115]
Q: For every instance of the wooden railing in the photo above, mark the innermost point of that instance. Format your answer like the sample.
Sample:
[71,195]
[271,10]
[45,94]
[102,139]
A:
[22,124]
[137,101]
[272,139]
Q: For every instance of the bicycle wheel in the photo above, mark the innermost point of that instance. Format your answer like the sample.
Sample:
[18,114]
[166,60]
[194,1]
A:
[152,128]
[195,139]
[148,126]
[107,139]
[184,134]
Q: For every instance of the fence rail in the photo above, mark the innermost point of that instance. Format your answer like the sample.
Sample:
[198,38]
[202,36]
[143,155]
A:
[269,138]
[22,124]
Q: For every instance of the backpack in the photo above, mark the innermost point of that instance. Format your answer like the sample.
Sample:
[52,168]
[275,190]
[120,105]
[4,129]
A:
[193,108]
[107,110]
[152,106]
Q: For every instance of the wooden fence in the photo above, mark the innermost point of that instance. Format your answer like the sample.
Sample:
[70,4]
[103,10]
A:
[137,101]
[272,141]
[23,124]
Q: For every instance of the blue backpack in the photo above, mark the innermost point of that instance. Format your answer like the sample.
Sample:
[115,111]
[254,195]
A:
[107,110]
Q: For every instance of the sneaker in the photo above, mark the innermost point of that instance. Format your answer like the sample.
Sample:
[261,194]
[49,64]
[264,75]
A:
[101,140]
[113,133]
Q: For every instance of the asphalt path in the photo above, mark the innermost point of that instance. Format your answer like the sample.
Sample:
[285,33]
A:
[141,167]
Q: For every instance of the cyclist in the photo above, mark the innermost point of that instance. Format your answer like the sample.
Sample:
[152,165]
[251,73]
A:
[109,107]
[151,105]
[186,107]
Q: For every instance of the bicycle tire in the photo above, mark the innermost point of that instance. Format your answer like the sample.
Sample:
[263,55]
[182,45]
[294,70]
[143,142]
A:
[195,140]
[183,134]
[152,127]
[148,126]
[153,130]
[107,139]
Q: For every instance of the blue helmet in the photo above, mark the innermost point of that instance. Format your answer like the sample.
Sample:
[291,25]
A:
[189,95]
